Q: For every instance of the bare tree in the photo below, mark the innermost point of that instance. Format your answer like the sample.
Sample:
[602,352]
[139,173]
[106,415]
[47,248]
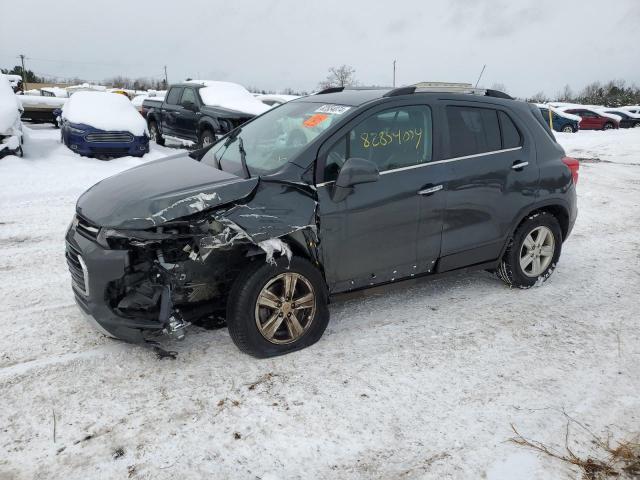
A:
[501,87]
[341,76]
[539,97]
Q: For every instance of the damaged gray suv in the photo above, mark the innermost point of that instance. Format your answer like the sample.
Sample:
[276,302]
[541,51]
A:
[327,194]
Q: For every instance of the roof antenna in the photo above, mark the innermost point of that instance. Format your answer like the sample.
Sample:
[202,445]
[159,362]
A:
[483,67]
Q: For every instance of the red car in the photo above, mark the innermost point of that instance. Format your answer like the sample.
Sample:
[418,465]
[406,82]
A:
[592,120]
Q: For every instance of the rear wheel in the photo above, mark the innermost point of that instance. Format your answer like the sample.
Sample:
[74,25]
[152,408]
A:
[533,252]
[154,133]
[278,308]
[608,126]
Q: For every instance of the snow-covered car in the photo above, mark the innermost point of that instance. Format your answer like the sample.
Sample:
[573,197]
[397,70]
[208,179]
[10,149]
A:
[139,99]
[273,100]
[100,124]
[10,123]
[41,108]
[558,120]
[632,108]
[594,119]
[628,119]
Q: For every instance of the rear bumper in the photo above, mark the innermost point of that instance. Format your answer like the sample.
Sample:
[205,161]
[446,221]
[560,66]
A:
[92,269]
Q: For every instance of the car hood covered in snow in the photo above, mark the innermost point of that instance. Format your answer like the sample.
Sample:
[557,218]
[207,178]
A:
[104,111]
[159,192]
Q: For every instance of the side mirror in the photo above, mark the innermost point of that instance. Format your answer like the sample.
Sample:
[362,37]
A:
[189,106]
[353,172]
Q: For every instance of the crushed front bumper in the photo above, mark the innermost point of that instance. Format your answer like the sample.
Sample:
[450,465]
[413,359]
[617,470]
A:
[92,269]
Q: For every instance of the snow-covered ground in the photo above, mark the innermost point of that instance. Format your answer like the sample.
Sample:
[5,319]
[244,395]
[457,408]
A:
[423,382]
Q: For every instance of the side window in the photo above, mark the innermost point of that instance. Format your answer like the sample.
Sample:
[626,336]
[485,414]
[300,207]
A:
[472,130]
[188,95]
[510,135]
[394,138]
[173,96]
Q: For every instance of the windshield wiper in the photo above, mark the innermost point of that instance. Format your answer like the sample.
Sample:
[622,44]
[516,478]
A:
[243,157]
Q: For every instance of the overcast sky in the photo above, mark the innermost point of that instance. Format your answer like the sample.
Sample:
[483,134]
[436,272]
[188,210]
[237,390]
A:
[527,45]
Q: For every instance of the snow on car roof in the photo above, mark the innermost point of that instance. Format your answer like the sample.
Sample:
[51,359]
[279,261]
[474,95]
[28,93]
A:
[229,95]
[621,110]
[596,110]
[9,105]
[105,111]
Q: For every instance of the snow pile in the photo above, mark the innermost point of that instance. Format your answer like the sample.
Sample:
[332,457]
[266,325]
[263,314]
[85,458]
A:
[275,99]
[231,96]
[9,108]
[105,111]
[615,146]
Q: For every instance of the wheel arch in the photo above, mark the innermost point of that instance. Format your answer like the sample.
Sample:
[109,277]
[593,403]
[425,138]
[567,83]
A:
[556,207]
[207,124]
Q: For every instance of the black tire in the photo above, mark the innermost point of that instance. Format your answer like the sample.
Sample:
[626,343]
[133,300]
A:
[608,126]
[242,300]
[154,133]
[636,125]
[510,270]
[19,152]
[205,138]
[568,129]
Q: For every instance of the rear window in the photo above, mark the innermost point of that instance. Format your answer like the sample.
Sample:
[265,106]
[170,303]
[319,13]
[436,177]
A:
[510,135]
[473,130]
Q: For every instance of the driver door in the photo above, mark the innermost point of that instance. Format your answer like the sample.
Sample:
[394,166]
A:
[371,236]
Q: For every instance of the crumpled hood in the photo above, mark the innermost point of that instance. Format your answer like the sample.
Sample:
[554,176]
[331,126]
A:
[159,192]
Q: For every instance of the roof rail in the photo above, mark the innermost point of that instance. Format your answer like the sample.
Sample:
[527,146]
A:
[498,94]
[330,90]
[400,91]
[448,87]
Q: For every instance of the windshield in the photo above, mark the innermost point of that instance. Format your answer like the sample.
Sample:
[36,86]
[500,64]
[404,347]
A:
[275,138]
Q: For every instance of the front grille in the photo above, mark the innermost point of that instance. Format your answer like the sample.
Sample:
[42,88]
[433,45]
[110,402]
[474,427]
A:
[78,269]
[109,137]
[86,229]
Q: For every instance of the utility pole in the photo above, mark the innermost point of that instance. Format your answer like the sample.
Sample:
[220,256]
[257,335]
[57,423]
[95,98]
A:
[394,74]
[24,77]
[166,80]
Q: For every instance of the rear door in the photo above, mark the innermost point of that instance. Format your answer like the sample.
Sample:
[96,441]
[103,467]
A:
[171,110]
[375,234]
[494,176]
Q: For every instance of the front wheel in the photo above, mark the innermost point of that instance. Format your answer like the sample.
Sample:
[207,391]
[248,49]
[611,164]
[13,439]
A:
[567,129]
[533,252]
[277,308]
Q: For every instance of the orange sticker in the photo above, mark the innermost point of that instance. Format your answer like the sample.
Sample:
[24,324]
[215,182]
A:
[315,120]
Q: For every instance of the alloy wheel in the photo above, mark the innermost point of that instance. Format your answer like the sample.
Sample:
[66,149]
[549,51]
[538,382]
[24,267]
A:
[285,308]
[537,251]
[153,132]
[567,129]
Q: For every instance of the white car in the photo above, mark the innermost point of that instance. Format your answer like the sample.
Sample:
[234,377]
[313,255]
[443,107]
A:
[273,100]
[10,123]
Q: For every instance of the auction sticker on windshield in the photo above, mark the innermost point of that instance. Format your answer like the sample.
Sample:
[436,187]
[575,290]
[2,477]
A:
[333,109]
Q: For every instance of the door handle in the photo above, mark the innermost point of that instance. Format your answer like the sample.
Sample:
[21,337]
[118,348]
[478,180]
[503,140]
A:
[430,190]
[519,165]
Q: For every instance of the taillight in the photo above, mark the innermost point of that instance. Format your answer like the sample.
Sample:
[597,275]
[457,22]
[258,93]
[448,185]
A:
[574,166]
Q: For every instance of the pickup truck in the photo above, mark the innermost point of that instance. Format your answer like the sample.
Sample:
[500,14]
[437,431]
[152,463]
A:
[200,111]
